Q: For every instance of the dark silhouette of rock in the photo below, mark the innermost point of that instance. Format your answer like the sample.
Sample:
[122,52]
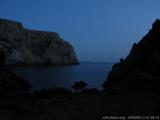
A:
[12,84]
[24,46]
[79,85]
[140,71]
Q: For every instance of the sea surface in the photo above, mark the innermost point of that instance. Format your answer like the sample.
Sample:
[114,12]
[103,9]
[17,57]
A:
[94,74]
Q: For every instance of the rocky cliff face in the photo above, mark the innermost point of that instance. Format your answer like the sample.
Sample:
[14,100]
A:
[140,71]
[24,46]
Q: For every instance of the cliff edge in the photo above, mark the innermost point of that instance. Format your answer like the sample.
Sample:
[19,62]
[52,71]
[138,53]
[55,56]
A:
[140,71]
[24,46]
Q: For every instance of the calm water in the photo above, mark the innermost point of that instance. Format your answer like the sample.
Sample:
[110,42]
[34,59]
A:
[64,76]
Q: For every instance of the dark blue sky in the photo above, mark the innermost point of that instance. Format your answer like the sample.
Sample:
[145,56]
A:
[99,30]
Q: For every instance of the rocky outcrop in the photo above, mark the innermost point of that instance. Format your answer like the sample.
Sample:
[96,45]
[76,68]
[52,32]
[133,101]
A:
[24,46]
[10,83]
[140,71]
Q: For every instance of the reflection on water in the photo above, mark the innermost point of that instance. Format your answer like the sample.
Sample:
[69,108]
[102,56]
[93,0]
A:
[64,76]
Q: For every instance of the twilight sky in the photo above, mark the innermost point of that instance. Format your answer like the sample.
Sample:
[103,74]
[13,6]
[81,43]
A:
[99,30]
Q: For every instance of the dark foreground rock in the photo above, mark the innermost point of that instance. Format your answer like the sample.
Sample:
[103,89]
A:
[24,46]
[140,71]
[11,84]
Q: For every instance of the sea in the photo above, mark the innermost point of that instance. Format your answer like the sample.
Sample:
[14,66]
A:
[45,77]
